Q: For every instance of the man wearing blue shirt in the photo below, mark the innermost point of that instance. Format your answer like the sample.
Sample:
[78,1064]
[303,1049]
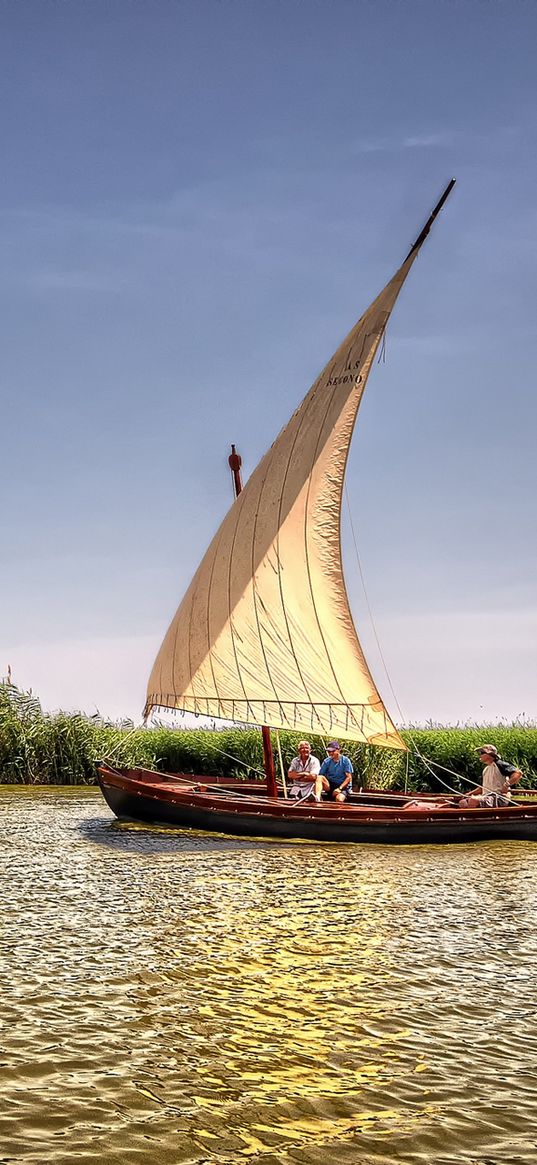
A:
[336,772]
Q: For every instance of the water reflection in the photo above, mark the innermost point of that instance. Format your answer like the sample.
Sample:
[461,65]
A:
[177,998]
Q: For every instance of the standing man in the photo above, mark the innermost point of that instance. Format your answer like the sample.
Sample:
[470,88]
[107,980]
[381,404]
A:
[497,781]
[336,772]
[304,774]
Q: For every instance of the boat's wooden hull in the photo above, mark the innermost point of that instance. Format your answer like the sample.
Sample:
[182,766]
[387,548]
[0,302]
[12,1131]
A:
[161,799]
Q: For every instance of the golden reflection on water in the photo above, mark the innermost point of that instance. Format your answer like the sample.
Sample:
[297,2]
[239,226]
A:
[174,998]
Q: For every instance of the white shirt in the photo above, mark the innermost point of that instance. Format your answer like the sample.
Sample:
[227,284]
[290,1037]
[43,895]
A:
[309,769]
[492,779]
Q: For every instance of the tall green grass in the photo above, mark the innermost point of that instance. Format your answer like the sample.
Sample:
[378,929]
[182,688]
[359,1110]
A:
[38,748]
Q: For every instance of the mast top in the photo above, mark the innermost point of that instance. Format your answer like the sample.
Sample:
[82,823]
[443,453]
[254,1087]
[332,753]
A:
[423,234]
[235,461]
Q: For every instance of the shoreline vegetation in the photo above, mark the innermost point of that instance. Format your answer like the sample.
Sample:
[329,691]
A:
[62,748]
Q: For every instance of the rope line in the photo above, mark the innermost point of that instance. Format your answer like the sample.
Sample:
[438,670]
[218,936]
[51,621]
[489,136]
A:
[425,761]
[121,742]
[437,765]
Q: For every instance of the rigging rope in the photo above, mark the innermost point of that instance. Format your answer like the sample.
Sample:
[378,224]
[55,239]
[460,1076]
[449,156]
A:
[121,742]
[423,759]
[238,761]
[428,761]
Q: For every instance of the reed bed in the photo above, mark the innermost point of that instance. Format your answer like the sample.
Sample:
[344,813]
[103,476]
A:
[62,749]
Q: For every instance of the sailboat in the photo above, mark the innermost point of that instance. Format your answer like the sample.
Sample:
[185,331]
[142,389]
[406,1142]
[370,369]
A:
[264,635]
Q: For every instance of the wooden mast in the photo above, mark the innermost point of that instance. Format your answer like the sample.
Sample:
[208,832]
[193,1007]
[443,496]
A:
[235,462]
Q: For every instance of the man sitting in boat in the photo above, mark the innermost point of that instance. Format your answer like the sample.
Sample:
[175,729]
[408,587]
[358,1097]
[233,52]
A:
[498,779]
[304,773]
[336,773]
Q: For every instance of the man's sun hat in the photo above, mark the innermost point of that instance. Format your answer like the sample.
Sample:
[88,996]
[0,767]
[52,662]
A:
[489,749]
[333,744]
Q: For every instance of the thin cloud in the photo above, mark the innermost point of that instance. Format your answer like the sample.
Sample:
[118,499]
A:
[426,141]
[50,280]
[412,142]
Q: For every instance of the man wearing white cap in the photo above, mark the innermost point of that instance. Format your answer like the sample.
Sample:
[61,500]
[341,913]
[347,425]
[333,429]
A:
[497,781]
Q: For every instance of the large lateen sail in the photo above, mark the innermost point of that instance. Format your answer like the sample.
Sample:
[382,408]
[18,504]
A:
[264,634]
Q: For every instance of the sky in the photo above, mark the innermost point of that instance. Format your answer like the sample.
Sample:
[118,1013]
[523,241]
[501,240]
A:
[198,200]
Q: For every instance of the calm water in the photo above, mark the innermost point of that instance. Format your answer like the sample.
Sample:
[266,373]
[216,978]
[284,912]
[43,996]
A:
[171,998]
